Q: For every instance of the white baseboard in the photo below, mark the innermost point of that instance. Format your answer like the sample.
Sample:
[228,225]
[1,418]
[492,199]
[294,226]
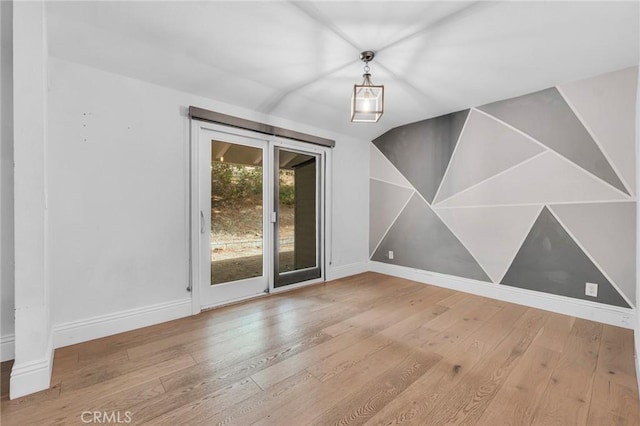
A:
[31,377]
[337,272]
[7,347]
[613,315]
[106,325]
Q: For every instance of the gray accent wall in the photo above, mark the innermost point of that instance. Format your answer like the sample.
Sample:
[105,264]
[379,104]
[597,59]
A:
[552,173]
[550,261]
[421,151]
[607,232]
[483,157]
[547,118]
[387,201]
[419,239]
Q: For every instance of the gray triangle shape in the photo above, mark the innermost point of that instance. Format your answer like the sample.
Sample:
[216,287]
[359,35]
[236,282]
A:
[385,202]
[419,239]
[546,117]
[486,148]
[550,261]
[607,232]
[421,151]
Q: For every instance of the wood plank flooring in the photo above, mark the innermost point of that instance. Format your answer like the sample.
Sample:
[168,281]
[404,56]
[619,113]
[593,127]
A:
[368,349]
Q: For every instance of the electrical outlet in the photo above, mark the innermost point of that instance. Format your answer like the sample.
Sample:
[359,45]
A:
[591,289]
[390,254]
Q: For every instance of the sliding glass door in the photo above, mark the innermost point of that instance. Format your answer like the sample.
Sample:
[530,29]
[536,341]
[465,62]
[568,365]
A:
[297,216]
[258,222]
[233,219]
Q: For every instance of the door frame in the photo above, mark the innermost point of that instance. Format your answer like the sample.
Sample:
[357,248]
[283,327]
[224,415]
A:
[193,206]
[237,289]
[323,155]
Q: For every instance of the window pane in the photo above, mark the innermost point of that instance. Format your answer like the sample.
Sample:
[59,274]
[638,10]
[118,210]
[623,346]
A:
[297,222]
[236,212]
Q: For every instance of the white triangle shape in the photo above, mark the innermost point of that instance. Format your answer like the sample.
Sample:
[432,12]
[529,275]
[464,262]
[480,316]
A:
[381,168]
[606,105]
[544,179]
[386,202]
[606,231]
[493,235]
[486,148]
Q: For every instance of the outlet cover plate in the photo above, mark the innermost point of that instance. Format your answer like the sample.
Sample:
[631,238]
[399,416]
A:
[591,289]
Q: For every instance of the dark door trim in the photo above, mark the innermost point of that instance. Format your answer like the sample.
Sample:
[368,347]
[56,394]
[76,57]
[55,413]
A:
[229,120]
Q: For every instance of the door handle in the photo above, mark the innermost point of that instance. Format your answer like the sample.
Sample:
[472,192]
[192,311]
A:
[201,222]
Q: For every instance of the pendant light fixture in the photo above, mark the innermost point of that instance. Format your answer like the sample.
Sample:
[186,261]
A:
[367,102]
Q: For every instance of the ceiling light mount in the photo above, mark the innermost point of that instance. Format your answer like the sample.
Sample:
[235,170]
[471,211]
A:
[367,102]
[367,56]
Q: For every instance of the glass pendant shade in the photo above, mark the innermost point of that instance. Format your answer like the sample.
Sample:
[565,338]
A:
[367,102]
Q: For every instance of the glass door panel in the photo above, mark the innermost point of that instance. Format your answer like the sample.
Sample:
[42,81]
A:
[236,212]
[232,218]
[297,219]
[259,217]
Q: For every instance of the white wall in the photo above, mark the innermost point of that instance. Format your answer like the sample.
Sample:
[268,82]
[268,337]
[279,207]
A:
[31,371]
[118,192]
[6,182]
[350,212]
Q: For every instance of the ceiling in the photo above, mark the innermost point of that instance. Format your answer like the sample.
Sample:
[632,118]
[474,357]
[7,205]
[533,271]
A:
[299,60]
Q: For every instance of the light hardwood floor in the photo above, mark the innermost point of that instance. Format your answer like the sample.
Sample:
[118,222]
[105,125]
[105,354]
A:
[366,349]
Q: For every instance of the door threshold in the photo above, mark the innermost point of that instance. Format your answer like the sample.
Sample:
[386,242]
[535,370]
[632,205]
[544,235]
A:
[274,292]
[290,287]
[233,302]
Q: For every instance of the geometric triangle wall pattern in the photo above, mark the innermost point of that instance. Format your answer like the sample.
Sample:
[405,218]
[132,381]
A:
[606,104]
[546,178]
[421,151]
[530,192]
[550,261]
[607,233]
[546,117]
[492,234]
[385,203]
[419,239]
[382,169]
[486,147]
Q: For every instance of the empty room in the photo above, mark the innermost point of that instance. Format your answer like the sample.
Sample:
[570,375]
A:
[319,212]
